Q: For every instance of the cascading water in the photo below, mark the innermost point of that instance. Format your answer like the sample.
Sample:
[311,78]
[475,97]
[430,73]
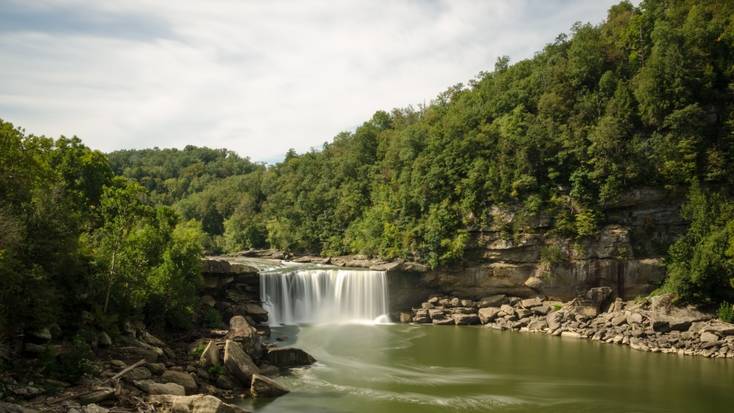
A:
[324,295]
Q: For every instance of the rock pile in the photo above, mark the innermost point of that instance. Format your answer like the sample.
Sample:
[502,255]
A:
[653,324]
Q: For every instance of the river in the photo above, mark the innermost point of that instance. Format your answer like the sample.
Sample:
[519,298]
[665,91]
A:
[405,368]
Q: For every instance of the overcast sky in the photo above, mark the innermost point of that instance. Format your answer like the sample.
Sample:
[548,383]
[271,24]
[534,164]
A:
[257,77]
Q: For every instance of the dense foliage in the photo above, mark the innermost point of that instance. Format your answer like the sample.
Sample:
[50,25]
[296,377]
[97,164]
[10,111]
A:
[82,249]
[645,98]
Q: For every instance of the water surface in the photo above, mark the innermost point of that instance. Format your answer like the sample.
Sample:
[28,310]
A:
[403,368]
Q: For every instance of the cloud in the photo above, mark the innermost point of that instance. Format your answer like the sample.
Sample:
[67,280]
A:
[253,76]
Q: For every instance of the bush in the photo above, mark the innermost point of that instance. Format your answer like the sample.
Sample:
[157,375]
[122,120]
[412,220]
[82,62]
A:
[726,312]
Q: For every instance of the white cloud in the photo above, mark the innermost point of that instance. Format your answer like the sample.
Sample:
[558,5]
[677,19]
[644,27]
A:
[257,77]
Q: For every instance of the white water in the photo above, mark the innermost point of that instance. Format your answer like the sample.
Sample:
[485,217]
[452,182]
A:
[324,296]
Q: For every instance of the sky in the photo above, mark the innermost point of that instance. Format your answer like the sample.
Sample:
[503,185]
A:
[256,77]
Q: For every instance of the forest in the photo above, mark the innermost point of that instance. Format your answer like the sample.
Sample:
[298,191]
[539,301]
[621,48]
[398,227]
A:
[643,99]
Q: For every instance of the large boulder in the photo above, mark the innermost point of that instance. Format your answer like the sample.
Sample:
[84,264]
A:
[256,312]
[665,316]
[180,377]
[264,387]
[488,314]
[241,331]
[289,357]
[238,363]
[199,403]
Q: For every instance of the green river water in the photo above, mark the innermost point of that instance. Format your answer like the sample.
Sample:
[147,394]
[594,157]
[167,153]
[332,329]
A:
[405,368]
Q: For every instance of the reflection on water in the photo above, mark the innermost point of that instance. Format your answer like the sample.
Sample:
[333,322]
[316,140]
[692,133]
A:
[402,368]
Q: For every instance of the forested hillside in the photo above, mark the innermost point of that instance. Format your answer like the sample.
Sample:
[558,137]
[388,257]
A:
[643,99]
[82,249]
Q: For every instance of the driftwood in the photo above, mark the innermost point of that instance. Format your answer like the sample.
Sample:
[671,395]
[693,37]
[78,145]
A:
[126,370]
[114,379]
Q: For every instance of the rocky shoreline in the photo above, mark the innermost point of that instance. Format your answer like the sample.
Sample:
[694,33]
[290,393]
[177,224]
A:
[650,324]
[203,370]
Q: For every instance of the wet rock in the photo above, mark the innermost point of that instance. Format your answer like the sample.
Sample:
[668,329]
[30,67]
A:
[199,403]
[237,362]
[406,317]
[262,386]
[179,377]
[289,357]
[256,312]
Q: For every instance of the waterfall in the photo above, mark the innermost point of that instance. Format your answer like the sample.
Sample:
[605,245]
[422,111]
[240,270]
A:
[324,296]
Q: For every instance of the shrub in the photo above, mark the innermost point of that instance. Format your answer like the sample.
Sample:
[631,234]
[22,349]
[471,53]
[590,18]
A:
[726,312]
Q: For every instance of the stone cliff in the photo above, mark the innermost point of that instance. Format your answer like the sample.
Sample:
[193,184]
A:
[626,255]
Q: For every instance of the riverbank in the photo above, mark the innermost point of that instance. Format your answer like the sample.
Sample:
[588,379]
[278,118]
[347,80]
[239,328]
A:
[198,370]
[649,324]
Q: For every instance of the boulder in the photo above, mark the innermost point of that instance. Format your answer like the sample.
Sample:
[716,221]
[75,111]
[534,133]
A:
[237,362]
[208,300]
[493,301]
[554,320]
[152,387]
[488,314]
[465,319]
[719,328]
[289,357]
[443,321]
[634,318]
[179,377]
[405,317]
[667,317]
[210,355]
[199,403]
[138,373]
[538,325]
[507,309]
[571,334]
[531,302]
[256,312]
[541,310]
[435,313]
[707,337]
[534,283]
[264,387]
[241,331]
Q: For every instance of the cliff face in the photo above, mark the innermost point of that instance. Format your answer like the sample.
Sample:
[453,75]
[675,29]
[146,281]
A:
[625,255]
